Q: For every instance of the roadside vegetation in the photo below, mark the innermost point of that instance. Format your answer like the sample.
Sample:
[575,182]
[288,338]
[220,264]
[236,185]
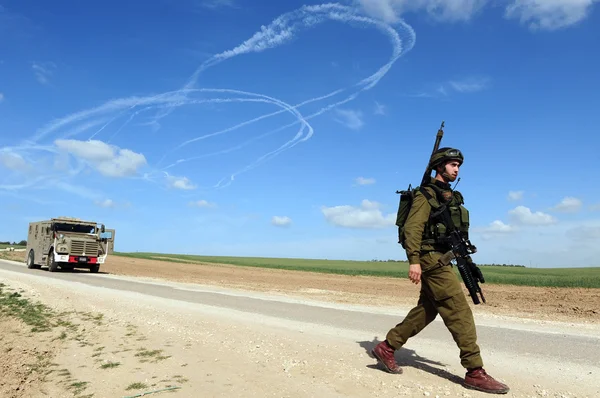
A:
[51,326]
[37,316]
[53,331]
[584,277]
[16,245]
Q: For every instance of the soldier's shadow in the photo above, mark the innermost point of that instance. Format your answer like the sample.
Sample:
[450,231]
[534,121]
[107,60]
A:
[407,357]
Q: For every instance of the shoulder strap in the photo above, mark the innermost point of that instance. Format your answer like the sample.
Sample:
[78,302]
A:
[439,209]
[435,204]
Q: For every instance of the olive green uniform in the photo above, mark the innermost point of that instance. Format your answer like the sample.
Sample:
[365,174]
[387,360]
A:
[441,291]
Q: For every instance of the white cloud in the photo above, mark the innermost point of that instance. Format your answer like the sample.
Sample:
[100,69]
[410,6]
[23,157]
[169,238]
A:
[1,97]
[379,109]
[106,203]
[350,118]
[568,205]
[368,215]
[538,14]
[43,72]
[549,14]
[515,195]
[108,160]
[523,215]
[364,181]
[13,161]
[470,84]
[498,226]
[443,10]
[218,3]
[183,183]
[281,221]
[595,207]
[567,244]
[466,85]
[495,229]
[202,203]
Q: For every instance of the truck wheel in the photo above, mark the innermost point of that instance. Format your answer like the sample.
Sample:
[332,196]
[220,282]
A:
[31,260]
[52,264]
[94,268]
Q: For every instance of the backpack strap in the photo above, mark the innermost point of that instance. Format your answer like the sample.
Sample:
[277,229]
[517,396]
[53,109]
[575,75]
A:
[435,205]
[439,209]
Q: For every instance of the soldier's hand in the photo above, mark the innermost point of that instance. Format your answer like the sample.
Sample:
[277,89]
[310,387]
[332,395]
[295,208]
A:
[414,273]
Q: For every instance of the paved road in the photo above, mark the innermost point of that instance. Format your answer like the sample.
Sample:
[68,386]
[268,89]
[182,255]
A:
[576,349]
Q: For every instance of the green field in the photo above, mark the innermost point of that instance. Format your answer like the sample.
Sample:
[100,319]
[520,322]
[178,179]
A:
[4,246]
[550,277]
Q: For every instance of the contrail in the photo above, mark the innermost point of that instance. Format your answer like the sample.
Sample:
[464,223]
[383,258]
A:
[264,98]
[110,106]
[285,27]
[280,31]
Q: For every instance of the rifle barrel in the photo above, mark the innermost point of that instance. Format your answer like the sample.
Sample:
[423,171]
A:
[436,146]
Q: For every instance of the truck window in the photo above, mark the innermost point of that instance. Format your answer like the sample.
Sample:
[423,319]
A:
[80,229]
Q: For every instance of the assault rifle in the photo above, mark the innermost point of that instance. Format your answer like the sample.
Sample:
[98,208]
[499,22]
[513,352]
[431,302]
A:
[462,249]
[428,170]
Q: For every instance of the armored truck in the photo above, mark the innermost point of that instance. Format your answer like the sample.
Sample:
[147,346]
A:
[68,243]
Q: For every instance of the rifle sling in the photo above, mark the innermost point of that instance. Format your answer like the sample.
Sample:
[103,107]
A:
[442,210]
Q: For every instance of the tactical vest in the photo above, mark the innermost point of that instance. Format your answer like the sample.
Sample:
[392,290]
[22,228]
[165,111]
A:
[434,233]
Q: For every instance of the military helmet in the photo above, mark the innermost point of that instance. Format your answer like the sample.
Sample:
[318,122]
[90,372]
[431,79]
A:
[445,154]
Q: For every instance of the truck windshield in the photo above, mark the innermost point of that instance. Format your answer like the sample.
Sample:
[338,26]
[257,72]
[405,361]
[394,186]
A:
[80,229]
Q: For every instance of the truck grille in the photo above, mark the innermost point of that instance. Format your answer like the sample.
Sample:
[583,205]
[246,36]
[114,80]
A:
[78,247]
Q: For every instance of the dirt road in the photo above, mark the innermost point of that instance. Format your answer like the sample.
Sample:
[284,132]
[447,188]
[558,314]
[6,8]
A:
[212,340]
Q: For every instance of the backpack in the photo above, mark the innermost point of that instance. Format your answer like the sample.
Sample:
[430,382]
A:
[406,200]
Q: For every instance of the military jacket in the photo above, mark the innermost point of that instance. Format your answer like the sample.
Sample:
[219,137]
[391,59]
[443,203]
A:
[424,230]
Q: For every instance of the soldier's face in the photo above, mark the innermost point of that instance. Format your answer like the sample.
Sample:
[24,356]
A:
[452,169]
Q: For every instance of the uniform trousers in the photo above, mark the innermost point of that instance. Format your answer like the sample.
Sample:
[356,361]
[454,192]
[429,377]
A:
[441,293]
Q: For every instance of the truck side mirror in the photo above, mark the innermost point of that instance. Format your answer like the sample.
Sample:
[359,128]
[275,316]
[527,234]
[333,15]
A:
[102,228]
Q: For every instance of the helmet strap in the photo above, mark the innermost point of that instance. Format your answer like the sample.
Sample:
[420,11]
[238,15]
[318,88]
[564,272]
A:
[445,176]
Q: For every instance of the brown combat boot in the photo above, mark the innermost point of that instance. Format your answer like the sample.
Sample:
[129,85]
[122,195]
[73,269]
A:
[478,379]
[385,354]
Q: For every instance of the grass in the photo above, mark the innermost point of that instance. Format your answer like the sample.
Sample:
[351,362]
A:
[110,365]
[588,277]
[5,246]
[326,266]
[40,318]
[36,315]
[522,276]
[136,386]
[143,353]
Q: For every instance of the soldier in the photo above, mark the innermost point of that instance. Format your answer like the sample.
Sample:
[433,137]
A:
[441,291]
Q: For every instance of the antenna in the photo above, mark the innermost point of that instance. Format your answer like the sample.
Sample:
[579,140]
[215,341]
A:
[457,181]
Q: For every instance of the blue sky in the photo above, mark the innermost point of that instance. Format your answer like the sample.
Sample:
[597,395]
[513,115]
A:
[236,127]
